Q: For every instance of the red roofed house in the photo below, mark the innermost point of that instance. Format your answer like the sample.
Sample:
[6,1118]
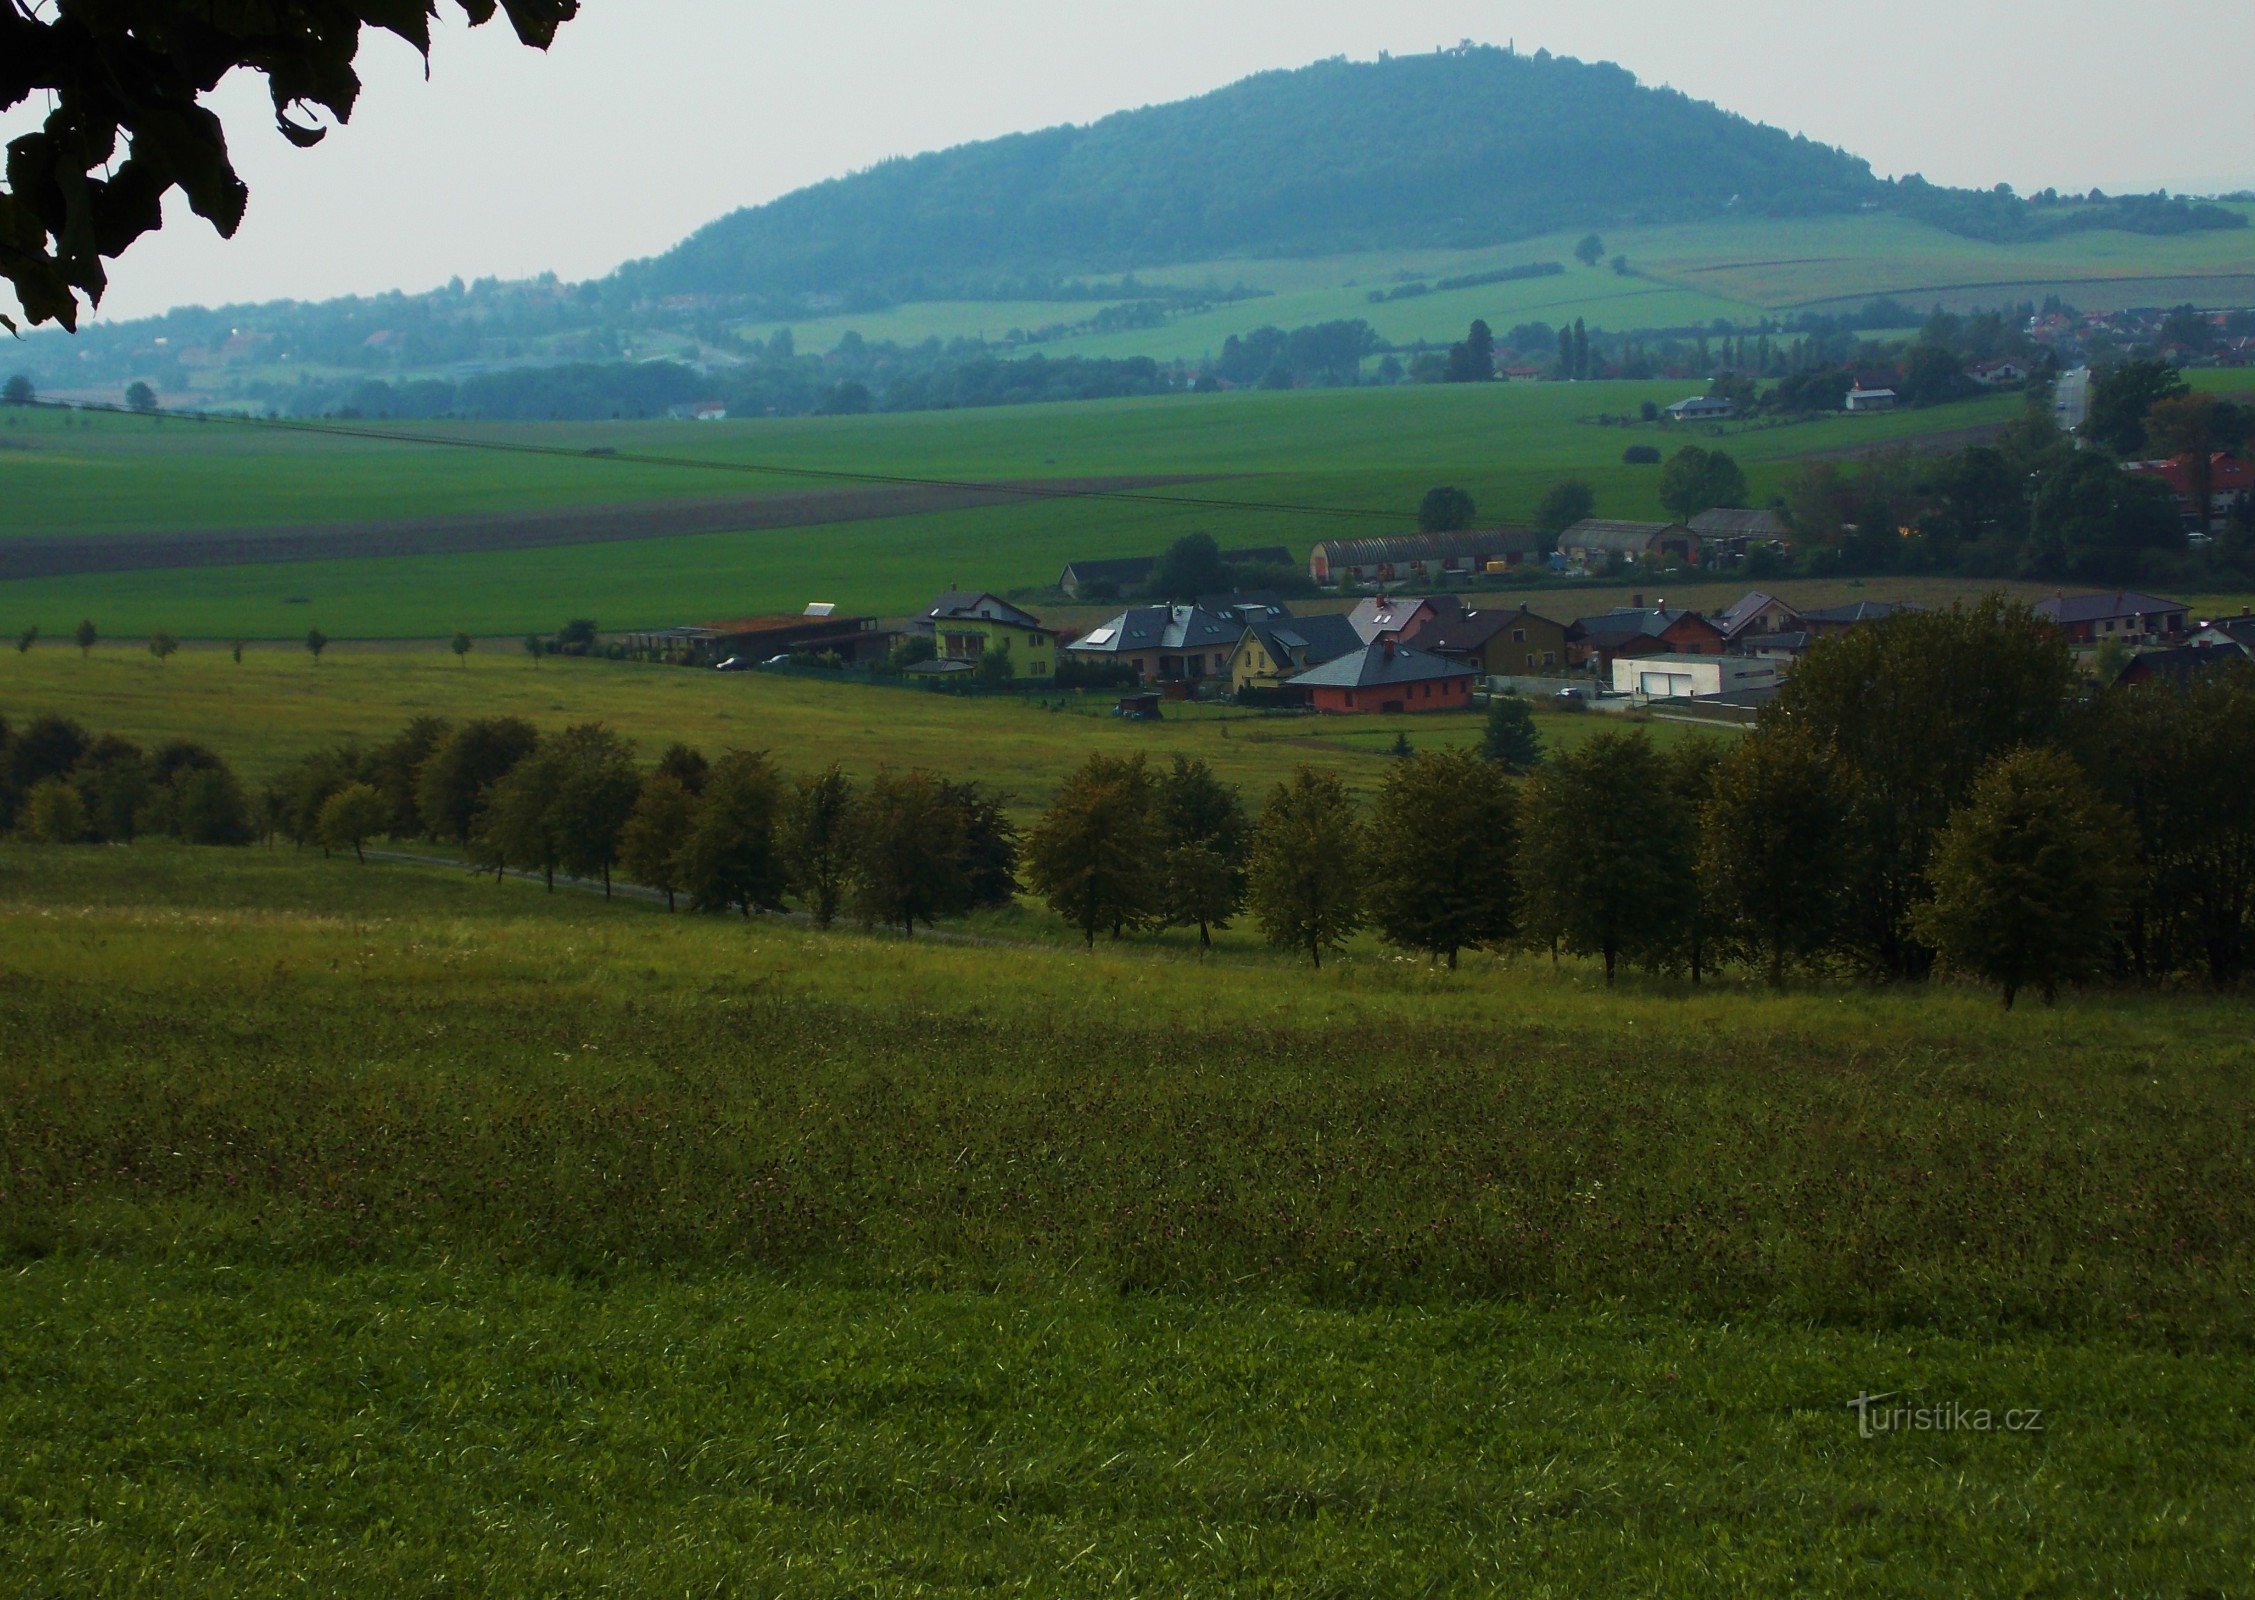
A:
[1385,676]
[2231,484]
[2095,618]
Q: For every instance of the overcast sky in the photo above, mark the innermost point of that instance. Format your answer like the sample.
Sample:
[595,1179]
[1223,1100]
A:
[652,117]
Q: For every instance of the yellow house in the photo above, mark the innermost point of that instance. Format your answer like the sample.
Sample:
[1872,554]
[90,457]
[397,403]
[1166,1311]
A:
[1276,648]
[974,628]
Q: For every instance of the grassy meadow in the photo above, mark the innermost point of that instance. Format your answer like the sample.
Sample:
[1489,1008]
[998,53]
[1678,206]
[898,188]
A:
[277,705]
[1371,451]
[377,1227]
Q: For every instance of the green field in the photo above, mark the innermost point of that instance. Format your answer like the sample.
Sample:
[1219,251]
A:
[1368,450]
[377,1228]
[1684,276]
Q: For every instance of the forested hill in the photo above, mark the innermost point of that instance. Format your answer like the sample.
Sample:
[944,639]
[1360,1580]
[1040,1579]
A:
[1466,147]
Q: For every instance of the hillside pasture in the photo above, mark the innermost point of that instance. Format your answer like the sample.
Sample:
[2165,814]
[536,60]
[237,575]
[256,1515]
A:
[365,1224]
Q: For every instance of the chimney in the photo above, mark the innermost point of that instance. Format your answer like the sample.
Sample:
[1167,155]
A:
[1387,644]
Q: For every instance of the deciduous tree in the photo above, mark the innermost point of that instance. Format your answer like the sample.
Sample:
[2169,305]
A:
[2028,877]
[1095,854]
[596,786]
[1773,849]
[731,858]
[1203,833]
[1603,859]
[453,782]
[1442,845]
[1511,740]
[651,845]
[352,816]
[1305,884]
[817,841]
[909,852]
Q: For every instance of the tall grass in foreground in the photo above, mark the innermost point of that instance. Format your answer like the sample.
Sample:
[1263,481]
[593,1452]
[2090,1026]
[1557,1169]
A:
[242,1056]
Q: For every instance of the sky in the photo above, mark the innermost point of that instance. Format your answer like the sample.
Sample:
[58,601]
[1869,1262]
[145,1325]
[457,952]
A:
[650,118]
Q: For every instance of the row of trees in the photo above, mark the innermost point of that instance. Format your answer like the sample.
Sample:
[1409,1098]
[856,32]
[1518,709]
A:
[60,784]
[731,834]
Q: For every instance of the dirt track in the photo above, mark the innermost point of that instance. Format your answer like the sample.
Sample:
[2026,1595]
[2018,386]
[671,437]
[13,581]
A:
[522,530]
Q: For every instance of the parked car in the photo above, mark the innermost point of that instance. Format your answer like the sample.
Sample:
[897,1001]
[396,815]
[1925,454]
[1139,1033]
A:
[1573,691]
[734,664]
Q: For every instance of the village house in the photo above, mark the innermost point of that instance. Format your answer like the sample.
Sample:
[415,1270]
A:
[1275,649]
[974,628]
[1401,617]
[1702,408]
[1503,642]
[1640,630]
[2231,484]
[1593,542]
[2236,631]
[1166,644]
[1755,616]
[2124,614]
[1440,558]
[2005,374]
[1385,676]
[1871,400]
[2178,666]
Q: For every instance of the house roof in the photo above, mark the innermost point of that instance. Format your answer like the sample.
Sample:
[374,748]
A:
[2069,609]
[1746,608]
[1728,522]
[1309,640]
[1478,544]
[1871,394]
[2227,474]
[1378,665]
[1473,630]
[963,605]
[1160,628]
[1396,613]
[2180,664]
[1856,611]
[1611,629]
[1703,402]
[1610,533]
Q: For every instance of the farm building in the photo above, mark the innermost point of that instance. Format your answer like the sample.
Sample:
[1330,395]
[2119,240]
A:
[1731,531]
[1385,676]
[1422,557]
[2093,618]
[972,628]
[1595,541]
[1871,400]
[1116,577]
[1167,644]
[1275,649]
[815,631]
[1672,677]
[1702,408]
[1504,642]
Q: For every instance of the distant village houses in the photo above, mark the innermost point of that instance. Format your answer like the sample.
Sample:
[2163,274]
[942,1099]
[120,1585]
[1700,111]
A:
[1421,558]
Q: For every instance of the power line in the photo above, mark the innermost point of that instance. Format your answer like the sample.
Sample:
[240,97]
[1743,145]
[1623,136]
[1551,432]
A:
[1023,490]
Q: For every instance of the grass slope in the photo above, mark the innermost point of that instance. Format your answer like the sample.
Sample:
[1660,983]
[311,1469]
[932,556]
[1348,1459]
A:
[378,1228]
[1359,449]
[276,705]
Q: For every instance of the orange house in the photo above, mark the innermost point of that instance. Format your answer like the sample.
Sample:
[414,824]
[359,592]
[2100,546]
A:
[1385,676]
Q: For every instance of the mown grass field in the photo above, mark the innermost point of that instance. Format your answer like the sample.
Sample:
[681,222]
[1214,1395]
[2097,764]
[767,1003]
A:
[1361,451]
[377,1228]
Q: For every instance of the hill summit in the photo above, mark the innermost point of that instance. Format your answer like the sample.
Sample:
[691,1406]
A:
[1466,147]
